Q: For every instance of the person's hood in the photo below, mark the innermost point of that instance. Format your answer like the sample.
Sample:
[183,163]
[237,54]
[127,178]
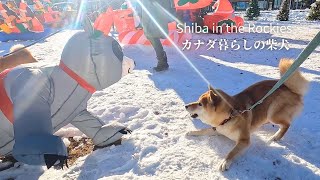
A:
[97,61]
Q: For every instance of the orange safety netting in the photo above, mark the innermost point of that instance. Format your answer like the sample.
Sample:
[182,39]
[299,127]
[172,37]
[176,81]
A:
[125,26]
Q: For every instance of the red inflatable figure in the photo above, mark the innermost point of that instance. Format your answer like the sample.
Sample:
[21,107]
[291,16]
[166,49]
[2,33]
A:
[223,19]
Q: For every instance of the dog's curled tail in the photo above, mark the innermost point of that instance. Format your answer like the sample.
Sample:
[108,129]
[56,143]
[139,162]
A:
[24,52]
[296,82]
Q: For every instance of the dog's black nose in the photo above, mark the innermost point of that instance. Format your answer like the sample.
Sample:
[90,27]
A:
[186,107]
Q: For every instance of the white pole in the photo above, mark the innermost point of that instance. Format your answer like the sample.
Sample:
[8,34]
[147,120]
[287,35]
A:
[290,4]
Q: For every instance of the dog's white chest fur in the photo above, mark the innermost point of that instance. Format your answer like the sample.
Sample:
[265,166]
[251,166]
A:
[228,132]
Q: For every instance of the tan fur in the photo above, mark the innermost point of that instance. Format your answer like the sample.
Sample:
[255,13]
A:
[296,82]
[21,57]
[213,107]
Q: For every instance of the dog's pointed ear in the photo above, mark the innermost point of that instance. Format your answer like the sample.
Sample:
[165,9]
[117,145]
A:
[214,98]
[210,88]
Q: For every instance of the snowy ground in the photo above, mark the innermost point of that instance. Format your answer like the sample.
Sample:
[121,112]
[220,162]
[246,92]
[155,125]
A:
[152,105]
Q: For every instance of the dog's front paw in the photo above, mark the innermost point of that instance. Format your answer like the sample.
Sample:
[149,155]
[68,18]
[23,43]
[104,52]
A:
[191,133]
[274,138]
[224,165]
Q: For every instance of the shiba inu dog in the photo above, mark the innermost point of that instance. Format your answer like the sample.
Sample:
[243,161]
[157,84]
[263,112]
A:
[226,114]
[23,56]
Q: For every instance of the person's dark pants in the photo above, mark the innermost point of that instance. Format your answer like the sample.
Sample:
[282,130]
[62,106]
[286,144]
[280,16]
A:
[157,46]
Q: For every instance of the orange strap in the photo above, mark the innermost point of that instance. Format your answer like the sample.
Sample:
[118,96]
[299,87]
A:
[6,105]
[83,83]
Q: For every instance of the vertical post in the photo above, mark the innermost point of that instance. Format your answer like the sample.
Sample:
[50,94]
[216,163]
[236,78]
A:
[270,4]
[290,4]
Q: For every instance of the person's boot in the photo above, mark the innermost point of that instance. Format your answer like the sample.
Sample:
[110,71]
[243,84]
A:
[162,63]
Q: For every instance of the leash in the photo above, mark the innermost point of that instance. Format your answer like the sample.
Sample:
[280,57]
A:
[301,58]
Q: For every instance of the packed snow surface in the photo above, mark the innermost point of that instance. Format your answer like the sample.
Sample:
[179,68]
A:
[152,105]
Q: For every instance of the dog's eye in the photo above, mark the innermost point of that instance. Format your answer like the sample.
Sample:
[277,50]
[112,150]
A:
[200,104]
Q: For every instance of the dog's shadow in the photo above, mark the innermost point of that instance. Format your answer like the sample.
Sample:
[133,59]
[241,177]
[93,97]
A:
[261,160]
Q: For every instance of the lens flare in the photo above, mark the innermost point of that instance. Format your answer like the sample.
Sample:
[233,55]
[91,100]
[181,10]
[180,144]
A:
[172,42]
[176,46]
[81,12]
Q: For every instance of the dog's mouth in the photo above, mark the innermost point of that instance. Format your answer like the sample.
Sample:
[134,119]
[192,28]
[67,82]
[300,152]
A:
[194,115]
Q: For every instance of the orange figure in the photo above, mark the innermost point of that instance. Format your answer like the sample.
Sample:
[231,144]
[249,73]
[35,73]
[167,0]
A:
[223,19]
[24,13]
[27,16]
[125,26]
[224,8]
[12,5]
[198,5]
[124,20]
[4,12]
[38,6]
[104,21]
[4,27]
[8,25]
[49,15]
